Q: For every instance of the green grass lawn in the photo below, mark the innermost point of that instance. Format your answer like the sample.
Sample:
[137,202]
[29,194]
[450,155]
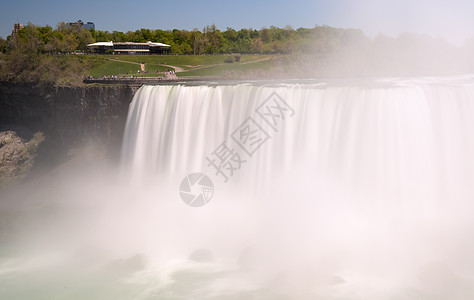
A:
[108,68]
[113,68]
[112,64]
[235,68]
[182,61]
[185,61]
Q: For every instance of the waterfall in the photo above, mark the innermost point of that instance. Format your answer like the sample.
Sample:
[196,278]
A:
[373,176]
[407,144]
[342,189]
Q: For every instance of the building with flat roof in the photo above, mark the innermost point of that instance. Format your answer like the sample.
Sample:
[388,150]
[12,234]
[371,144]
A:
[88,25]
[129,48]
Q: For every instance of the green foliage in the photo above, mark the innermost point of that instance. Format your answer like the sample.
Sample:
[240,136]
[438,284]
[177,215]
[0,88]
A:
[211,40]
[3,45]
[41,55]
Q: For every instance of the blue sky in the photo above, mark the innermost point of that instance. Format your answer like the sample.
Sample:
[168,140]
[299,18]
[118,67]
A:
[449,19]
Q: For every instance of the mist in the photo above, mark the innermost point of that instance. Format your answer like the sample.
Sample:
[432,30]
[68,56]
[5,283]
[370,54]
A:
[359,188]
[362,193]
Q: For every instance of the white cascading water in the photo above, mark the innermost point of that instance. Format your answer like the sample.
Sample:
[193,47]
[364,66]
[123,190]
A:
[357,189]
[368,183]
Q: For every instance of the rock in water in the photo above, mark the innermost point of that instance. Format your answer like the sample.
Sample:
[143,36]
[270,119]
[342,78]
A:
[17,156]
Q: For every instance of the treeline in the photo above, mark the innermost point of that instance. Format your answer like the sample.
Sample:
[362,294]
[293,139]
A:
[45,39]
[34,55]
[211,40]
[322,50]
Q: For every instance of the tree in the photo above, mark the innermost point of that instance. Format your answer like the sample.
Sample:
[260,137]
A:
[83,38]
[119,37]
[266,35]
[146,35]
[257,45]
[45,33]
[254,34]
[137,37]
[3,45]
[244,42]
[230,34]
[213,39]
[54,41]
[29,39]
[197,40]
[67,44]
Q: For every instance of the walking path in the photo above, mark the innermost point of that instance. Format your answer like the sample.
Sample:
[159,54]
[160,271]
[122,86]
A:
[216,65]
[259,60]
[124,61]
[139,81]
[180,70]
[142,66]
[176,69]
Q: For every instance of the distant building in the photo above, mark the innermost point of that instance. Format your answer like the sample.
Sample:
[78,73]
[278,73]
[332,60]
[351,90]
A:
[16,28]
[130,48]
[80,24]
[88,26]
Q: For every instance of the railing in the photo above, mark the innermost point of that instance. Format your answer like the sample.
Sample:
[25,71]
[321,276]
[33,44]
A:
[145,80]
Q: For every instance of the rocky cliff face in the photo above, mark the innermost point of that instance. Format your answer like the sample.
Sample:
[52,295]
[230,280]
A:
[67,116]
[70,113]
